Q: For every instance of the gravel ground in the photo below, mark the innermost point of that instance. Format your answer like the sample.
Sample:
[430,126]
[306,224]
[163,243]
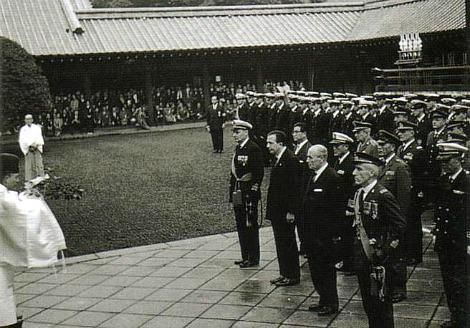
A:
[142,189]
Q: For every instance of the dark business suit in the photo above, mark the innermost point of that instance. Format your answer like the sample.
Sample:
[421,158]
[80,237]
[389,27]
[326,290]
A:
[345,170]
[452,222]
[282,199]
[215,120]
[248,160]
[383,221]
[323,209]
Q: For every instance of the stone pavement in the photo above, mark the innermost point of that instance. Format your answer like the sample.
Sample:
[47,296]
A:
[194,283]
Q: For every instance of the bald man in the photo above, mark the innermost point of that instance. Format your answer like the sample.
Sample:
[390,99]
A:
[323,209]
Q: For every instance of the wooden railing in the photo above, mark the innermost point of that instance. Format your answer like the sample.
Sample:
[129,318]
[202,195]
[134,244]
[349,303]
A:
[442,78]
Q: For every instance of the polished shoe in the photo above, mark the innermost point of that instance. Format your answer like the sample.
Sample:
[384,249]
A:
[326,311]
[248,264]
[397,298]
[238,262]
[315,307]
[287,282]
[273,281]
[215,151]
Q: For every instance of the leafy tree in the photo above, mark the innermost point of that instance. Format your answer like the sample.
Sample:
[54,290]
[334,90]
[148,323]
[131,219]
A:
[23,87]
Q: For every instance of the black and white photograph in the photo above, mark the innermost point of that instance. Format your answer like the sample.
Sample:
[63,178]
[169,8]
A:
[234,163]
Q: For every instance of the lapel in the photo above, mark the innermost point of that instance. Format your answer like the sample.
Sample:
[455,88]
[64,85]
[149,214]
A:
[386,167]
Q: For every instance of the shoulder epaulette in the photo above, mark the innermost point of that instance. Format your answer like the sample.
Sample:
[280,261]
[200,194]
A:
[383,191]
[419,147]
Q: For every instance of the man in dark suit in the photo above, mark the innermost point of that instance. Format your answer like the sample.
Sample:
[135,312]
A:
[379,226]
[344,167]
[415,156]
[323,208]
[301,146]
[215,125]
[395,177]
[245,182]
[452,222]
[281,207]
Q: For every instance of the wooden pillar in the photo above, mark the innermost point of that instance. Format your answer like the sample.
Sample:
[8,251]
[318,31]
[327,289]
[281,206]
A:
[259,77]
[149,96]
[205,85]
[87,84]
[310,74]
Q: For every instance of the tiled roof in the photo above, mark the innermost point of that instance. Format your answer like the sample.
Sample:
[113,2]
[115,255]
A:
[393,18]
[53,27]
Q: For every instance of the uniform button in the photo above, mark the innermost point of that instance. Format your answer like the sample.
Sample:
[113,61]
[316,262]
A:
[438,219]
[439,207]
[437,229]
[447,210]
[446,221]
[445,232]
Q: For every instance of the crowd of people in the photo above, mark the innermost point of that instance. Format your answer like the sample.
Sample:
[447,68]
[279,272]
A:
[354,174]
[351,174]
[75,112]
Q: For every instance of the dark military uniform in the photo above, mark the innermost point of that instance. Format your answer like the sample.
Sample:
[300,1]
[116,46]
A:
[395,178]
[433,165]
[247,164]
[415,156]
[383,221]
[370,146]
[345,170]
[451,220]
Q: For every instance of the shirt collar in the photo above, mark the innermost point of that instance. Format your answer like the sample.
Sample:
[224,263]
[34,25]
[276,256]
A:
[278,157]
[342,158]
[408,143]
[244,143]
[389,158]
[453,177]
[368,188]
[320,170]
[300,145]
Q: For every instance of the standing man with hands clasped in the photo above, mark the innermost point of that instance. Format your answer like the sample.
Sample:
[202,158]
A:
[379,226]
[323,211]
[245,182]
[282,206]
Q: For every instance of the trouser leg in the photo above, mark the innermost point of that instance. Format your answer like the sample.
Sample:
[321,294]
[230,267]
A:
[214,140]
[414,238]
[323,274]
[7,299]
[286,247]
[243,238]
[398,272]
[28,166]
[39,166]
[453,276]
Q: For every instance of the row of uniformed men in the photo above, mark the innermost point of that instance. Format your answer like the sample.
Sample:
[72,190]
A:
[402,172]
[324,113]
